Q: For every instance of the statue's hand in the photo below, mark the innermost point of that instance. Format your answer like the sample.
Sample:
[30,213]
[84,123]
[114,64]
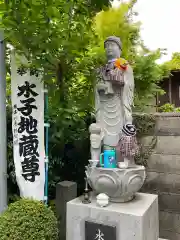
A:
[101,87]
[95,135]
[95,140]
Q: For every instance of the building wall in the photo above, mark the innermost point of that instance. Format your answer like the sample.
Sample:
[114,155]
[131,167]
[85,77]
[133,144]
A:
[176,89]
[172,88]
[163,174]
[164,98]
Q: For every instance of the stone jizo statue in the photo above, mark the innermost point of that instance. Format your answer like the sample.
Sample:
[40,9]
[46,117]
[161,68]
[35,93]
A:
[114,92]
[112,170]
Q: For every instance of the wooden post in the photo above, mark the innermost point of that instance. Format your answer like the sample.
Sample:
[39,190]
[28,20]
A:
[157,101]
[65,192]
[170,90]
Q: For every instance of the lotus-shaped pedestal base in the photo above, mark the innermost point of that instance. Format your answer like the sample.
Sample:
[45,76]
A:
[119,184]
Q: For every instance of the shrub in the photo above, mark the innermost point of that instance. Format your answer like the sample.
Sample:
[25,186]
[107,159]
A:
[28,219]
[169,108]
[177,109]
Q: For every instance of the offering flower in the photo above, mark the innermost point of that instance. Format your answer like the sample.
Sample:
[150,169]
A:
[121,63]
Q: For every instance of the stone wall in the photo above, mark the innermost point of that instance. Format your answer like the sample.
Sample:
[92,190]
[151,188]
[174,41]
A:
[163,173]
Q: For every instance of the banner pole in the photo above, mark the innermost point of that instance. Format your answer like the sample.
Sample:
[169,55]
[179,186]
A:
[46,124]
[3,127]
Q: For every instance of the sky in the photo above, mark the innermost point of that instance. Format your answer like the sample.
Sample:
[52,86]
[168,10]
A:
[160,20]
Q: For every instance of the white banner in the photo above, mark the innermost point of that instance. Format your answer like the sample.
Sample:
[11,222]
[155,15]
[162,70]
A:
[28,130]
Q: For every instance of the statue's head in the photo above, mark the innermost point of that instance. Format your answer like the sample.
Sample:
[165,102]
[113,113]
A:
[113,47]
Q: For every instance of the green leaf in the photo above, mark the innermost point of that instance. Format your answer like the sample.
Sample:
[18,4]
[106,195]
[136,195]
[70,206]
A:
[36,2]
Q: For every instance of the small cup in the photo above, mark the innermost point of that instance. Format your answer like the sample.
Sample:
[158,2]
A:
[93,163]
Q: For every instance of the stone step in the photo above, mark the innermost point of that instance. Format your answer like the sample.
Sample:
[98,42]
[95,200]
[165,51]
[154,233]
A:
[167,201]
[169,225]
[169,145]
[168,125]
[169,235]
[162,182]
[164,163]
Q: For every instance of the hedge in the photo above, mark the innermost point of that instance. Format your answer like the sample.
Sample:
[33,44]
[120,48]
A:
[28,220]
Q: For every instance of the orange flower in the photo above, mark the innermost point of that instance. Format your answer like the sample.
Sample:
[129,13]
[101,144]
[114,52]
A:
[121,63]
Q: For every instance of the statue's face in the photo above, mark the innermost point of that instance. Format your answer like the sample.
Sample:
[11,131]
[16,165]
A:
[112,50]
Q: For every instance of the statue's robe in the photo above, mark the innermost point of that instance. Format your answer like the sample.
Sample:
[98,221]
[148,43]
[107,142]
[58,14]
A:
[114,93]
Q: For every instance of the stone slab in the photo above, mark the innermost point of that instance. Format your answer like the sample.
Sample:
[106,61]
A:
[169,221]
[167,201]
[169,235]
[168,145]
[164,163]
[165,144]
[135,220]
[168,125]
[162,182]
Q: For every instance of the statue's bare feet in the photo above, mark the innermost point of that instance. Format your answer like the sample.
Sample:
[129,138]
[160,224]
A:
[124,164]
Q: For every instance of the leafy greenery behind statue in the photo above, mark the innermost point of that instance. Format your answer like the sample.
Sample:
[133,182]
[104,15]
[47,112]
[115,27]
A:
[66,39]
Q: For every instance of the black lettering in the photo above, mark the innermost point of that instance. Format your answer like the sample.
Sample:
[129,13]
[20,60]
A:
[30,167]
[22,70]
[28,124]
[15,131]
[15,111]
[15,122]
[27,109]
[15,135]
[15,142]
[26,90]
[30,176]
[34,71]
[28,145]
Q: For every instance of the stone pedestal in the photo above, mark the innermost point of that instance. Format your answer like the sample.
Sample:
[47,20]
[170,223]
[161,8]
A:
[135,220]
[119,184]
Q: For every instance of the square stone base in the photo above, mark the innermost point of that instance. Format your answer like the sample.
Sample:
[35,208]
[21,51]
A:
[135,220]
